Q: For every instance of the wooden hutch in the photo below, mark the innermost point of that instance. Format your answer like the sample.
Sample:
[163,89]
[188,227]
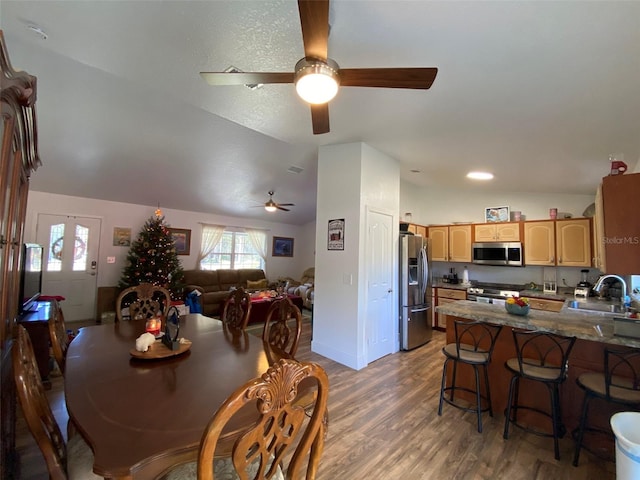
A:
[19,158]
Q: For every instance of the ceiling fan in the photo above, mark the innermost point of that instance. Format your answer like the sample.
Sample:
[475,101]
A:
[271,206]
[317,77]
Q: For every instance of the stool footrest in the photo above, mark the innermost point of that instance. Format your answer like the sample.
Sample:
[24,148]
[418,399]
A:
[514,410]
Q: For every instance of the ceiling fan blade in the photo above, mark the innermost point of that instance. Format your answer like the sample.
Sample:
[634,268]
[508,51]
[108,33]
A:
[246,78]
[420,78]
[320,118]
[314,19]
[286,204]
[281,208]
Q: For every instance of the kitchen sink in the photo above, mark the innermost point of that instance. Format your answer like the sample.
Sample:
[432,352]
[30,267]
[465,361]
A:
[593,307]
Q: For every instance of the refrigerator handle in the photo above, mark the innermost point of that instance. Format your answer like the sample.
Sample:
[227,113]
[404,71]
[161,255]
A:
[423,271]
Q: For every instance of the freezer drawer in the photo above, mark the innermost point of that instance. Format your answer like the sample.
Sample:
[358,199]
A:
[415,326]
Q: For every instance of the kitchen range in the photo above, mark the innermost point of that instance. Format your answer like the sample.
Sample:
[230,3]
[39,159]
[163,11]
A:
[493,292]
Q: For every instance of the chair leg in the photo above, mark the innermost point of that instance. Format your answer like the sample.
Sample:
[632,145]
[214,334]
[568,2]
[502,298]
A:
[507,415]
[583,424]
[478,399]
[555,420]
[453,379]
[486,382]
[443,385]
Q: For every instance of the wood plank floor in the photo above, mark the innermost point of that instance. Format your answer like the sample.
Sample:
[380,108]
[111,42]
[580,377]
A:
[384,423]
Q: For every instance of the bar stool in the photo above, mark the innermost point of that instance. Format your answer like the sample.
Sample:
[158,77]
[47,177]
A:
[473,346]
[618,384]
[541,357]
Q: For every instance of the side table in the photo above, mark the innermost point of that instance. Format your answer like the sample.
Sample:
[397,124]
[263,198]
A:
[37,325]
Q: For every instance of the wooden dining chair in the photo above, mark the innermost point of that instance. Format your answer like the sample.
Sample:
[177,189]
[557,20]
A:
[144,301]
[73,460]
[280,439]
[236,310]
[278,331]
[59,338]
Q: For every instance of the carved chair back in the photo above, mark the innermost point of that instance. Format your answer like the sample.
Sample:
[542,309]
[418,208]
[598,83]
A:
[236,310]
[282,328]
[144,301]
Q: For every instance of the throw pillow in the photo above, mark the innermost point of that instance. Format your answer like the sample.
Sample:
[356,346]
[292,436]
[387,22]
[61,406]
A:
[257,284]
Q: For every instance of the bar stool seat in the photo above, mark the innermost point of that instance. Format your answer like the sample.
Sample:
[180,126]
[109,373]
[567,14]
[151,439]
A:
[619,384]
[541,357]
[474,345]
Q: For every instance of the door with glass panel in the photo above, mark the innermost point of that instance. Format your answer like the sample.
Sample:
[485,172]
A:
[70,262]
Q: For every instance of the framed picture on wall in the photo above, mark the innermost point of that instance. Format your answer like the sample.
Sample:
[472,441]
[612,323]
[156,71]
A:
[182,239]
[121,237]
[282,247]
[496,214]
[335,240]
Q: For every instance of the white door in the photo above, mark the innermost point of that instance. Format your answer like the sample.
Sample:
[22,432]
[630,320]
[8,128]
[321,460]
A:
[70,262]
[381,325]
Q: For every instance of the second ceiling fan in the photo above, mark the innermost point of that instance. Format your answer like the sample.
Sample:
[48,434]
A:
[317,77]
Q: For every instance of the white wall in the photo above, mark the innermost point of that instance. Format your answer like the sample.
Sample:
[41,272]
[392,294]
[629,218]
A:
[116,214]
[351,178]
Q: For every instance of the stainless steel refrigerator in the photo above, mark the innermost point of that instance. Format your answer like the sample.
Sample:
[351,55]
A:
[415,291]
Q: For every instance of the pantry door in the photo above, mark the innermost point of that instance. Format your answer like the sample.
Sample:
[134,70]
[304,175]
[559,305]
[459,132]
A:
[70,262]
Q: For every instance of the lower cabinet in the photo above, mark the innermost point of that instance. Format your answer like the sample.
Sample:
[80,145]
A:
[546,304]
[442,296]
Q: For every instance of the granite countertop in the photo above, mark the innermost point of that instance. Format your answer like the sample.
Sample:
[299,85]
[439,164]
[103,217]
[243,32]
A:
[584,325]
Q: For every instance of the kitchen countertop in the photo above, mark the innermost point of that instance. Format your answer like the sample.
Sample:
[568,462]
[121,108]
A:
[584,325]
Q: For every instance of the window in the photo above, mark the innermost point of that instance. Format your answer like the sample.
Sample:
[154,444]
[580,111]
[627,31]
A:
[234,250]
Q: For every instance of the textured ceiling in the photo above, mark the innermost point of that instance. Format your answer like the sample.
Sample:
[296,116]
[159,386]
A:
[540,93]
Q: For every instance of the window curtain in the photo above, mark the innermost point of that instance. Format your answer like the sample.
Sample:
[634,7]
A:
[211,235]
[258,239]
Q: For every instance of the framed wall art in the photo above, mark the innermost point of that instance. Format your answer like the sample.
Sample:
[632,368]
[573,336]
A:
[335,239]
[496,214]
[282,247]
[121,237]
[182,239]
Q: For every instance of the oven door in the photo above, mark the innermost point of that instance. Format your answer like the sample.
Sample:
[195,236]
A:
[479,299]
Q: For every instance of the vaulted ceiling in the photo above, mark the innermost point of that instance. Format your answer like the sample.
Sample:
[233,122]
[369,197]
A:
[540,93]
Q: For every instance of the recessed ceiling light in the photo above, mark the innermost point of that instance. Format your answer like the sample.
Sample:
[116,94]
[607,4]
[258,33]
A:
[480,175]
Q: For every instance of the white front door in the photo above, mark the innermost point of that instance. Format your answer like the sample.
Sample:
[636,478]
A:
[70,262]
[381,325]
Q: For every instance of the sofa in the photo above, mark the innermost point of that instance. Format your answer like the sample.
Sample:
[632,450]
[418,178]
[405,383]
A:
[214,285]
[303,287]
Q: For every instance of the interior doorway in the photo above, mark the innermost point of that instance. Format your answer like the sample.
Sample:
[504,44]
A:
[381,325]
[70,262]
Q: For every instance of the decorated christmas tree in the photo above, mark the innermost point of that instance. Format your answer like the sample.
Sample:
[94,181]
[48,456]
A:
[152,258]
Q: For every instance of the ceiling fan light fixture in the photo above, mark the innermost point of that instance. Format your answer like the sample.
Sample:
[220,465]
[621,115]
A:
[270,206]
[316,81]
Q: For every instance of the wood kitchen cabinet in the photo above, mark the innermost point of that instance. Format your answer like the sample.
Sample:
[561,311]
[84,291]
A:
[573,242]
[539,242]
[418,229]
[497,232]
[446,295]
[565,243]
[450,243]
[620,240]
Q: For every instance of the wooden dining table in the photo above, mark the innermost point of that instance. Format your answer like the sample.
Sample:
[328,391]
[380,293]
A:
[142,416]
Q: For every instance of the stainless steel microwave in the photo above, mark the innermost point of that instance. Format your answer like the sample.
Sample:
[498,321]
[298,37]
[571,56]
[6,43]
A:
[498,253]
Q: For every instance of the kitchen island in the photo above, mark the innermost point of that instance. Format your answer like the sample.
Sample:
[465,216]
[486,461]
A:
[594,332]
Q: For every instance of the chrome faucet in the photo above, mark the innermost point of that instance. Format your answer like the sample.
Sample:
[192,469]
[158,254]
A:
[598,286]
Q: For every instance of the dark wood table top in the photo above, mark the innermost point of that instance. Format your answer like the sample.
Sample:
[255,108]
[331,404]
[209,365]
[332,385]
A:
[141,416]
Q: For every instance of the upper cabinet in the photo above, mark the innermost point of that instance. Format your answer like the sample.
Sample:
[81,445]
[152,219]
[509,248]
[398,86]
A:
[450,243]
[565,243]
[599,259]
[573,242]
[619,243]
[539,243]
[497,232]
[418,229]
